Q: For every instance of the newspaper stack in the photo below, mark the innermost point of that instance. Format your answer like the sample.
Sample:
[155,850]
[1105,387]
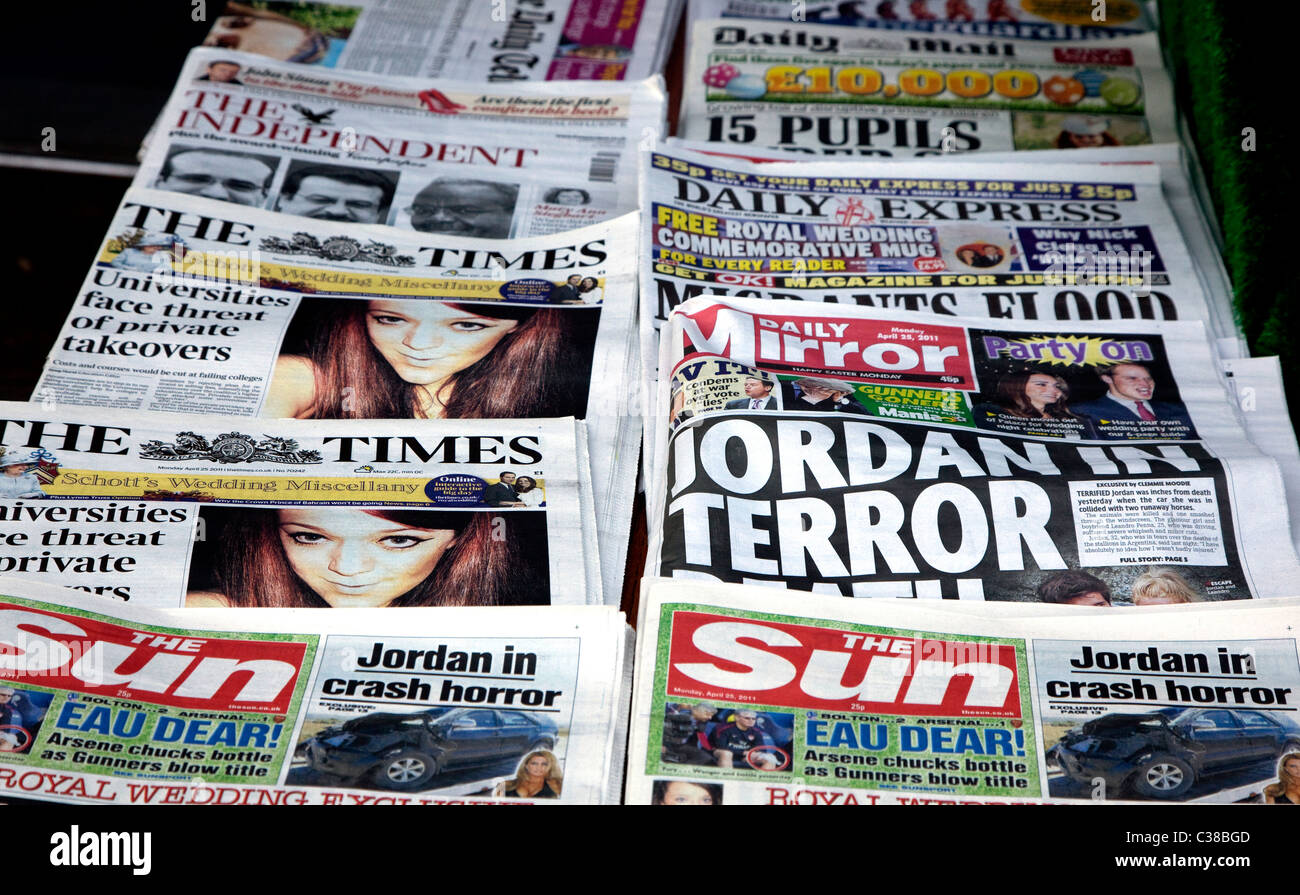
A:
[507,41]
[112,703]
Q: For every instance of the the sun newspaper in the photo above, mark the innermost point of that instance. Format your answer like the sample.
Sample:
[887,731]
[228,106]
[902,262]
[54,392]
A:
[504,41]
[123,705]
[823,448]
[449,158]
[165,511]
[743,698]
[862,92]
[199,306]
[1028,19]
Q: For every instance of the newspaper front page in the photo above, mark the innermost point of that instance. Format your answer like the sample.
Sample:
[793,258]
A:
[505,41]
[198,306]
[447,158]
[859,92]
[1024,19]
[743,699]
[833,450]
[163,510]
[122,705]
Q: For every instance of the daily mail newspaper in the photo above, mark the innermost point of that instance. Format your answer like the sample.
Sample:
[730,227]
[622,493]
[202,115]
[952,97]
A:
[119,704]
[826,90]
[999,240]
[198,306]
[1026,19]
[829,449]
[508,40]
[450,158]
[165,511]
[742,698]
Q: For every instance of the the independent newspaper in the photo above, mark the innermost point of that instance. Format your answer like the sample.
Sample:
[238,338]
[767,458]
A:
[165,510]
[112,703]
[199,306]
[743,698]
[452,158]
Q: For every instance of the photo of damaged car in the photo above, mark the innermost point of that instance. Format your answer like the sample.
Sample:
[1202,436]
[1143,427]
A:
[406,751]
[1164,753]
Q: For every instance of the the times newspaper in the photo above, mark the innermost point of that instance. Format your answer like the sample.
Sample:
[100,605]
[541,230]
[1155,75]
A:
[163,510]
[1027,19]
[999,240]
[504,40]
[450,158]
[198,306]
[859,92]
[821,448]
[743,698]
[119,704]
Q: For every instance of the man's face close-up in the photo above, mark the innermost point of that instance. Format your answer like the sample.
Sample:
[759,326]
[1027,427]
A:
[223,71]
[327,199]
[215,175]
[1133,382]
[462,209]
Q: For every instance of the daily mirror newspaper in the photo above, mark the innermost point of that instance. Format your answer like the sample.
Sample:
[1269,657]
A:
[822,448]
[826,90]
[198,306]
[507,40]
[119,704]
[448,158]
[742,698]
[1027,19]
[164,510]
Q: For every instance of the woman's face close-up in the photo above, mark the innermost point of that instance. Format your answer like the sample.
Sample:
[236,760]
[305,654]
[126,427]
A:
[537,766]
[1042,390]
[352,559]
[426,342]
[681,793]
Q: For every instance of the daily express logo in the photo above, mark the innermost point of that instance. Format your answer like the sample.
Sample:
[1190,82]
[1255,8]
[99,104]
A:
[731,659]
[88,656]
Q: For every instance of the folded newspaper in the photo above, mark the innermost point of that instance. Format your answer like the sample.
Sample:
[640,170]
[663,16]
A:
[198,306]
[448,158]
[119,704]
[503,40]
[1029,19]
[823,448]
[742,698]
[162,510]
[827,90]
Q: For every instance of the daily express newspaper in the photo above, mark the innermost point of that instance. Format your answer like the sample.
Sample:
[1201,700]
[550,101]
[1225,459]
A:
[1027,19]
[508,40]
[450,158]
[198,306]
[999,240]
[826,90]
[165,510]
[743,698]
[820,448]
[118,704]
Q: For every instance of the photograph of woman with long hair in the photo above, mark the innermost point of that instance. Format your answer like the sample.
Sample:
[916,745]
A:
[1029,395]
[346,557]
[529,493]
[426,359]
[1286,791]
[539,777]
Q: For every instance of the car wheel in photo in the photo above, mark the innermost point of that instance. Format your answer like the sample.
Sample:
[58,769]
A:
[1164,777]
[548,745]
[407,769]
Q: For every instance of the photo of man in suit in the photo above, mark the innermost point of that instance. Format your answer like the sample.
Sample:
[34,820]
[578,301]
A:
[1128,398]
[758,396]
[503,493]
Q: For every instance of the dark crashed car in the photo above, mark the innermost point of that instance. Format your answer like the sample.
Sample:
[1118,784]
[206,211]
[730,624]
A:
[406,751]
[1162,754]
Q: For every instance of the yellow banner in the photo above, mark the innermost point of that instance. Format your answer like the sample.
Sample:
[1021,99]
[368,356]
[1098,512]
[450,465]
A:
[207,486]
